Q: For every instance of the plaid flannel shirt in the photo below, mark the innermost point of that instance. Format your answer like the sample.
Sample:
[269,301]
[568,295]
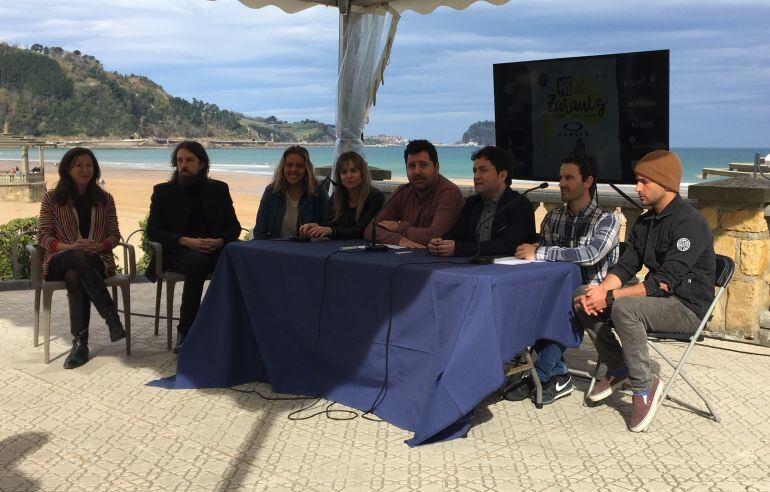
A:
[588,239]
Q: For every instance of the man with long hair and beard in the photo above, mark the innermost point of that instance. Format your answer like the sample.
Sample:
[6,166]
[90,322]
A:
[192,216]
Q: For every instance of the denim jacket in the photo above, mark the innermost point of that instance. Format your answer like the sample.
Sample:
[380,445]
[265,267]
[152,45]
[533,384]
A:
[273,206]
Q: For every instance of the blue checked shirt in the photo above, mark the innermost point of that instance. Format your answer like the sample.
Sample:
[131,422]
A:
[588,239]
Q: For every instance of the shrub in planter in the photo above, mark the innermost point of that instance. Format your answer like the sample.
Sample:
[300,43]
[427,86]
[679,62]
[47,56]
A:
[14,236]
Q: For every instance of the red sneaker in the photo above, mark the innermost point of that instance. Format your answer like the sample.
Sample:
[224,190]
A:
[605,386]
[642,411]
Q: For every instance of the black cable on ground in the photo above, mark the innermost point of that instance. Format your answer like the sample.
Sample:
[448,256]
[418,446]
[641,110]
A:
[384,388]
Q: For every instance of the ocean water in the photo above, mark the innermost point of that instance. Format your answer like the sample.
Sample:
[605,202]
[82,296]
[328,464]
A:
[455,161]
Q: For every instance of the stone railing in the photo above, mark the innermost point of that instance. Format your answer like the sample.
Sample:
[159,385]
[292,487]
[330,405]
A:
[736,209]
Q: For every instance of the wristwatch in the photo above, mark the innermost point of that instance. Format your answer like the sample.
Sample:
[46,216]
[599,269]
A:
[609,298]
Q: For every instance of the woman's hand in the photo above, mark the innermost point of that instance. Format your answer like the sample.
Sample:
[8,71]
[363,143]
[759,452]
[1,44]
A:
[88,245]
[317,231]
[305,228]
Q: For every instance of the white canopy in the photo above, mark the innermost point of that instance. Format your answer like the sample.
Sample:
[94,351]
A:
[367,30]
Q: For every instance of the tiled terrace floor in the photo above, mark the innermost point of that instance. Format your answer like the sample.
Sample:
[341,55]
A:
[100,428]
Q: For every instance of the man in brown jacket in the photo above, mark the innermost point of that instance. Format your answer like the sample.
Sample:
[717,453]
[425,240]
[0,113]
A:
[426,207]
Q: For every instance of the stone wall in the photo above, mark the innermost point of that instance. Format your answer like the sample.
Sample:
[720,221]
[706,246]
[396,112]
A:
[22,192]
[735,211]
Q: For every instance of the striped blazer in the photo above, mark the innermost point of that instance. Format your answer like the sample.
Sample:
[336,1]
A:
[59,223]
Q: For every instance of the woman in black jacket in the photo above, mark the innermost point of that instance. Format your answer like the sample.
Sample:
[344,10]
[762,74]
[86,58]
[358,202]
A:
[354,202]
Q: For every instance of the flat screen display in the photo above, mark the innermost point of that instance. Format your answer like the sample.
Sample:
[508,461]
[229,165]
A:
[614,107]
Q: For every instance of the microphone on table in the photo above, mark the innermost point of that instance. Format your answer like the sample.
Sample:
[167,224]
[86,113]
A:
[373,247]
[304,239]
[477,259]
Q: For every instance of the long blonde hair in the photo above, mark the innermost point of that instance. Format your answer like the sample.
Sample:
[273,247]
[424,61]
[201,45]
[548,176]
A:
[341,195]
[279,180]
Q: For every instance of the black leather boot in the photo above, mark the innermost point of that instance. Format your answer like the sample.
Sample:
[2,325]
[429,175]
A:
[97,291]
[79,353]
[179,341]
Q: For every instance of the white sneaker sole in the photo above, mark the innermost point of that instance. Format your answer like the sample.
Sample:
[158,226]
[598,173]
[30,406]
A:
[604,394]
[642,426]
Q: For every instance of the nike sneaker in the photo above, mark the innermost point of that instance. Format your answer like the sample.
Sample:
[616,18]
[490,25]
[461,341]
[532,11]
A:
[559,386]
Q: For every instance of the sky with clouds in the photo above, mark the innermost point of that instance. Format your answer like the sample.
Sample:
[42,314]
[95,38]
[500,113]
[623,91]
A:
[439,81]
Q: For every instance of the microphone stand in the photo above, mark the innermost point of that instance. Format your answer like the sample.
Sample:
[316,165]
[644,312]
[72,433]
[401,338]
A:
[306,239]
[478,259]
[373,247]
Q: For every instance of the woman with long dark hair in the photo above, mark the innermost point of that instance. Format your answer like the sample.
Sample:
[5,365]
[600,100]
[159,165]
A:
[354,202]
[78,230]
[291,199]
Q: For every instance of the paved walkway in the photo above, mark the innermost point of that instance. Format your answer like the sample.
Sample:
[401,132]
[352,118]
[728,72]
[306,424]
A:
[99,428]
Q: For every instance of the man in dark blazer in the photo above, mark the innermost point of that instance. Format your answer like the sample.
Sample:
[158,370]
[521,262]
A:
[478,229]
[193,217]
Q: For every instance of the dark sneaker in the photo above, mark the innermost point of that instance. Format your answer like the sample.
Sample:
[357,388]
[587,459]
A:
[557,387]
[521,390]
[643,407]
[605,386]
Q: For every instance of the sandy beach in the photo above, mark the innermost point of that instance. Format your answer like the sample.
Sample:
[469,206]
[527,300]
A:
[132,188]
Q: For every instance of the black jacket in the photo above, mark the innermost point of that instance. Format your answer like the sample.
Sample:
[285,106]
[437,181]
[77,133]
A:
[169,213]
[678,249]
[510,228]
[346,226]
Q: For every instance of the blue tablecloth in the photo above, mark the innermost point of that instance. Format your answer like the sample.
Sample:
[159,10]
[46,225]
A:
[312,320]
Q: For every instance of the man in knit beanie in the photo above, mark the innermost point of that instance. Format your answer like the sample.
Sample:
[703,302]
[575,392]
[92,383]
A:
[674,242]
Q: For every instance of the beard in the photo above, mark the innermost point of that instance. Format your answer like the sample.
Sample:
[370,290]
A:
[188,179]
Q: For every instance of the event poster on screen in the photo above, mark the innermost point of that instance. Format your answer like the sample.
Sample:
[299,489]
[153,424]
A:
[614,107]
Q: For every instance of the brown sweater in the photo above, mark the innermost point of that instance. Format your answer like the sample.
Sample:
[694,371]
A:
[423,215]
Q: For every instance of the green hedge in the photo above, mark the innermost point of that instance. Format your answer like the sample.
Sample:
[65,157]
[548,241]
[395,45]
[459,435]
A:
[14,236]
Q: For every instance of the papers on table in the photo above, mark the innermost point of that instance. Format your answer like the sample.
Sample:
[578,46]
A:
[512,260]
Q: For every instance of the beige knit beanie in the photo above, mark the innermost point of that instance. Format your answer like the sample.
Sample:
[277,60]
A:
[663,167]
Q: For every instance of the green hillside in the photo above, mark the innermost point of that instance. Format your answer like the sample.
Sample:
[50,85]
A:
[56,93]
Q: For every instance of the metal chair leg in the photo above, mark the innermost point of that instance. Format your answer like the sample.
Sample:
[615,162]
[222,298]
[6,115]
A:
[47,295]
[536,380]
[36,328]
[586,401]
[158,293]
[126,290]
[169,311]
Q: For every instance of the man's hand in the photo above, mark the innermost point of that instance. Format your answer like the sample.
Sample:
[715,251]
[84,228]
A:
[595,300]
[391,225]
[441,247]
[408,243]
[202,245]
[526,251]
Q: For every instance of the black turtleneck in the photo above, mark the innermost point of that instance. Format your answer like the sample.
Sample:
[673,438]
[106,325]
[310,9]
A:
[82,204]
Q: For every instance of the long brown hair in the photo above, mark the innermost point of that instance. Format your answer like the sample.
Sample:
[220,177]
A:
[341,197]
[65,189]
[310,181]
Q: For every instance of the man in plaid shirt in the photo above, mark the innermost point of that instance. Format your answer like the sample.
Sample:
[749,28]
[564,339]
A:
[578,232]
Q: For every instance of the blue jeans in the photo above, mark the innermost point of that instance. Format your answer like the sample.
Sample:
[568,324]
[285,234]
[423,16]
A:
[550,361]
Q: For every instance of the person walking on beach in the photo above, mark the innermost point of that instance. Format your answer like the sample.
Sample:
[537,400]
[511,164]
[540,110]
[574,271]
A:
[353,204]
[192,216]
[291,199]
[496,235]
[78,230]
[425,208]
[675,243]
[579,232]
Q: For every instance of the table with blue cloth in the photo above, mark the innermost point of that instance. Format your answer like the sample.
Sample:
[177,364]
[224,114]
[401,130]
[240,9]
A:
[419,340]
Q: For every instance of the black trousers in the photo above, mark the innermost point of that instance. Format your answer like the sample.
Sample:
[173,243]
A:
[196,267]
[75,267]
